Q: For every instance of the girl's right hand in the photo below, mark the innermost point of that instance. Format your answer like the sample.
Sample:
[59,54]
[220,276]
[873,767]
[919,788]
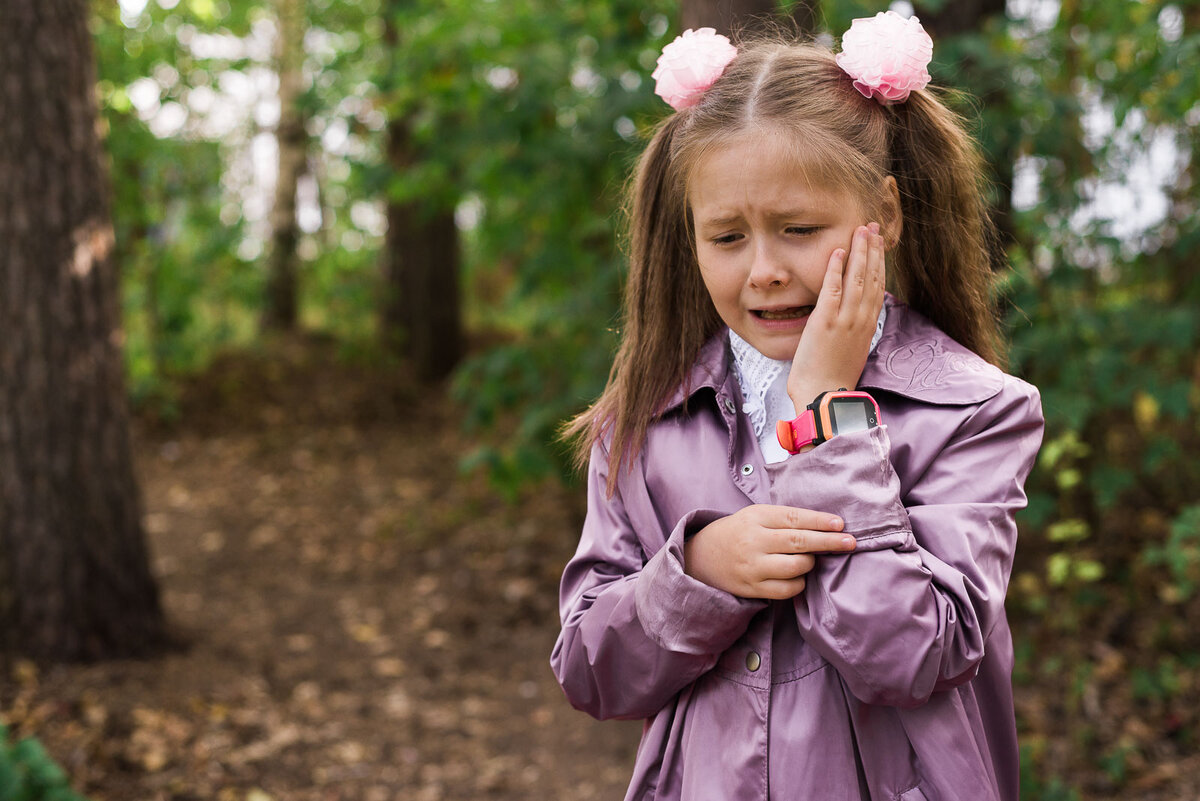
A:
[837,337]
[763,551]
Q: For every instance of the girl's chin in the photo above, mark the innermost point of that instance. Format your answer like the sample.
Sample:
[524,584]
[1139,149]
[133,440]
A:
[778,347]
[780,354]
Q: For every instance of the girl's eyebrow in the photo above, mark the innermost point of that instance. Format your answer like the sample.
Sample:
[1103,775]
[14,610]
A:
[721,220]
[718,220]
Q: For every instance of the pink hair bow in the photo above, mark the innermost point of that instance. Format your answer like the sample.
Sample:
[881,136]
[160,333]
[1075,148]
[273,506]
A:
[887,56]
[691,64]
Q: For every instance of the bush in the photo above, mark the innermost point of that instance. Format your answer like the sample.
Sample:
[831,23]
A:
[27,773]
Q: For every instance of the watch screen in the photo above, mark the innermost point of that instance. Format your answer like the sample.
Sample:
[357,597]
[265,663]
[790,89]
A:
[850,415]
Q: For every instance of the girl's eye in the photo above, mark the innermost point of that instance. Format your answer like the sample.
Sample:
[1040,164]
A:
[727,239]
[802,230]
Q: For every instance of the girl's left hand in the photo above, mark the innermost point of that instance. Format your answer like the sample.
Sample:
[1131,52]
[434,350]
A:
[837,337]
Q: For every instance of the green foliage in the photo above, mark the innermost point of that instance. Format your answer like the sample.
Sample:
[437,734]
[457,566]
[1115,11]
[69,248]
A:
[1180,554]
[1035,786]
[1103,319]
[534,111]
[186,292]
[27,773]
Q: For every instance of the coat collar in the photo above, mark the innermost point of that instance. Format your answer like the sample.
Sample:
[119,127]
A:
[914,358]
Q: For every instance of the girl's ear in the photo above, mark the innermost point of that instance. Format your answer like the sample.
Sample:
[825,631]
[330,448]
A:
[891,218]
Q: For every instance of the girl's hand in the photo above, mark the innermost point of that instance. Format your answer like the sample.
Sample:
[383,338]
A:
[837,337]
[763,551]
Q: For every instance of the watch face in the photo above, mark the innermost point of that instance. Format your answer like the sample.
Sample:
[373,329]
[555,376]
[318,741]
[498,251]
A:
[851,414]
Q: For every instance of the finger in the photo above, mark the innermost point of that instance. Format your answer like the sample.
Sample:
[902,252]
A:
[778,589]
[873,290]
[855,278]
[793,541]
[830,297]
[876,268]
[786,565]
[777,516]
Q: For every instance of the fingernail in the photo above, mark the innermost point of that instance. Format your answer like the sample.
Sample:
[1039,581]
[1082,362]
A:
[835,522]
[874,227]
[848,542]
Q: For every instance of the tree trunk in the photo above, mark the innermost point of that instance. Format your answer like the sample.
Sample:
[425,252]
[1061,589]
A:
[74,575]
[280,311]
[962,16]
[729,16]
[419,314]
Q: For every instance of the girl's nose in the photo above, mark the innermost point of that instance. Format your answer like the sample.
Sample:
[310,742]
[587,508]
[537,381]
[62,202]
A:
[768,268]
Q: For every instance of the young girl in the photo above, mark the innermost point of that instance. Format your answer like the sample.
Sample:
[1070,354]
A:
[801,590]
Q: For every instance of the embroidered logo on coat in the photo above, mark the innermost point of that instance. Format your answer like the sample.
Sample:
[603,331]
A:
[924,365]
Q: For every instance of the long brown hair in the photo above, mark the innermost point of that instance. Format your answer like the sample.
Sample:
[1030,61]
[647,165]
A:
[842,140]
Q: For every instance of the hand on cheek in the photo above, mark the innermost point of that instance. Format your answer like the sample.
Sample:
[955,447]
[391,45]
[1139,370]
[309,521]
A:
[837,337]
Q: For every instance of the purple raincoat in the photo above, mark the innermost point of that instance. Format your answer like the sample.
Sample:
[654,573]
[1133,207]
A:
[889,677]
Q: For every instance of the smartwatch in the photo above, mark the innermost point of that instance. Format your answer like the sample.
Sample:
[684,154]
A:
[832,413]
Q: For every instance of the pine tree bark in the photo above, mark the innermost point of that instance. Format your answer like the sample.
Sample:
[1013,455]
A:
[420,314]
[729,16]
[75,581]
[282,287]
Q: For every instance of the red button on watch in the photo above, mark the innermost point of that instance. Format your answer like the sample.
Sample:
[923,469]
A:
[830,414]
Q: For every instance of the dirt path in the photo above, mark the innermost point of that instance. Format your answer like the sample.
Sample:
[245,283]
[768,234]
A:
[361,622]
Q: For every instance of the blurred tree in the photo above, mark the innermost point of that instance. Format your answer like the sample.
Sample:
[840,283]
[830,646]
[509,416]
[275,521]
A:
[420,314]
[179,146]
[74,575]
[291,21]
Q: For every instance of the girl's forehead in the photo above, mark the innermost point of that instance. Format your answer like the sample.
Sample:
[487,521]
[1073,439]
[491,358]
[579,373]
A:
[765,169]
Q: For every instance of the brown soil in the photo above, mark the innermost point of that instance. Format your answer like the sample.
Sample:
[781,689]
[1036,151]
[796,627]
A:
[358,619]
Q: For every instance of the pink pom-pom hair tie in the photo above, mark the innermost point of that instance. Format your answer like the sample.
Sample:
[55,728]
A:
[887,56]
[691,64]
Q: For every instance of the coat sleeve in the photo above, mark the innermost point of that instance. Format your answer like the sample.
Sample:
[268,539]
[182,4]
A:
[636,631]
[909,611]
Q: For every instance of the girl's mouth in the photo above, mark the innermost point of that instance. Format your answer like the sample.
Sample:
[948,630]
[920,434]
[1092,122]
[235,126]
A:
[794,313]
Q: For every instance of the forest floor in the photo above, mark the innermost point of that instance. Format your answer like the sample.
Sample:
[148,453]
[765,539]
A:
[354,617]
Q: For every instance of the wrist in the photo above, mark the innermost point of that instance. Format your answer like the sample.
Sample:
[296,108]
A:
[804,394]
[696,561]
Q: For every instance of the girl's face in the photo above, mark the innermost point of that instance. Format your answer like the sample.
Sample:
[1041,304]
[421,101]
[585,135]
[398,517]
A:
[764,237]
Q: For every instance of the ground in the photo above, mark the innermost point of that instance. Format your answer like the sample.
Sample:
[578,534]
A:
[355,618]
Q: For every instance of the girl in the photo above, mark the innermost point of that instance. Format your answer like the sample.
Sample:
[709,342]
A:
[802,590]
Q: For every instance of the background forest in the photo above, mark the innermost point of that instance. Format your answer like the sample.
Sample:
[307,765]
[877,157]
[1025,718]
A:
[431,190]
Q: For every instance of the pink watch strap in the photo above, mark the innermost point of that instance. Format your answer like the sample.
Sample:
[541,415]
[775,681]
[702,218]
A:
[795,434]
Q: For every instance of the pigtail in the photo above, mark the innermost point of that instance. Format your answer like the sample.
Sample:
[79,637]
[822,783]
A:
[661,329]
[948,241]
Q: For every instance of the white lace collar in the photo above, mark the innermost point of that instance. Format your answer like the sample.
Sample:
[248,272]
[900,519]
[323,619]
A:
[764,388]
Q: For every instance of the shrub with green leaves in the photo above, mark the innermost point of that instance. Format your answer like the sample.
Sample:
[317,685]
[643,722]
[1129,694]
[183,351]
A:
[27,773]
